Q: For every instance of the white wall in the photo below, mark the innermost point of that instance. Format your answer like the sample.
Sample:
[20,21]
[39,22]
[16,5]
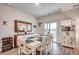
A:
[77,32]
[11,14]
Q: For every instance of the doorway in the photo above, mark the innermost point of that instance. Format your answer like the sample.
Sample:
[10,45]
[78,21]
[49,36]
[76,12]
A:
[52,29]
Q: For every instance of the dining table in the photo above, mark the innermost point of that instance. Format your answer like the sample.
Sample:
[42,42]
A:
[33,44]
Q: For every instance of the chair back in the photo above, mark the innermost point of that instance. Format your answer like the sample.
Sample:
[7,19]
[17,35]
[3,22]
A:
[49,39]
[22,45]
[44,40]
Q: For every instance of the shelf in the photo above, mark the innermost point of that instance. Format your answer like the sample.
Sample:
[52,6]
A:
[7,43]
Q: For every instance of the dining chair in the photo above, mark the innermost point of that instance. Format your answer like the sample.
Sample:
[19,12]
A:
[49,43]
[43,45]
[23,49]
[18,48]
[51,40]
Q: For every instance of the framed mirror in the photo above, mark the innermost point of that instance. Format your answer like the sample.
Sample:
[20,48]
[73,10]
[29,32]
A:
[21,26]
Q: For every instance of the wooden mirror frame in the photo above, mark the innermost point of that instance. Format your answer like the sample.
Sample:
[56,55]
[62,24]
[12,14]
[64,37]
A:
[16,26]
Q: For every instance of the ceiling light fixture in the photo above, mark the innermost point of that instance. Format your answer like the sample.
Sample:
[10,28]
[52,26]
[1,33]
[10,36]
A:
[36,4]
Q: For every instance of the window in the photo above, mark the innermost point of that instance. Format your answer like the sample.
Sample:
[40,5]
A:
[47,28]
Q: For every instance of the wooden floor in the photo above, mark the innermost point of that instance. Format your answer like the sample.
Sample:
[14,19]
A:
[55,50]
[10,52]
[61,50]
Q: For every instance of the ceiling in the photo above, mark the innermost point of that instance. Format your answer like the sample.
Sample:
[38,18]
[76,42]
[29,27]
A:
[43,8]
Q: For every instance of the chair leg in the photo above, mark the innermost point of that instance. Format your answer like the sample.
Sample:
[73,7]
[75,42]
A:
[40,52]
[48,47]
[19,50]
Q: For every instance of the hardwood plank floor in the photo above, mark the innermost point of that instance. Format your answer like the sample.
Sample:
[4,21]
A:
[61,50]
[55,50]
[10,52]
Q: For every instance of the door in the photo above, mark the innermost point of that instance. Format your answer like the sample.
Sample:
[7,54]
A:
[52,29]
